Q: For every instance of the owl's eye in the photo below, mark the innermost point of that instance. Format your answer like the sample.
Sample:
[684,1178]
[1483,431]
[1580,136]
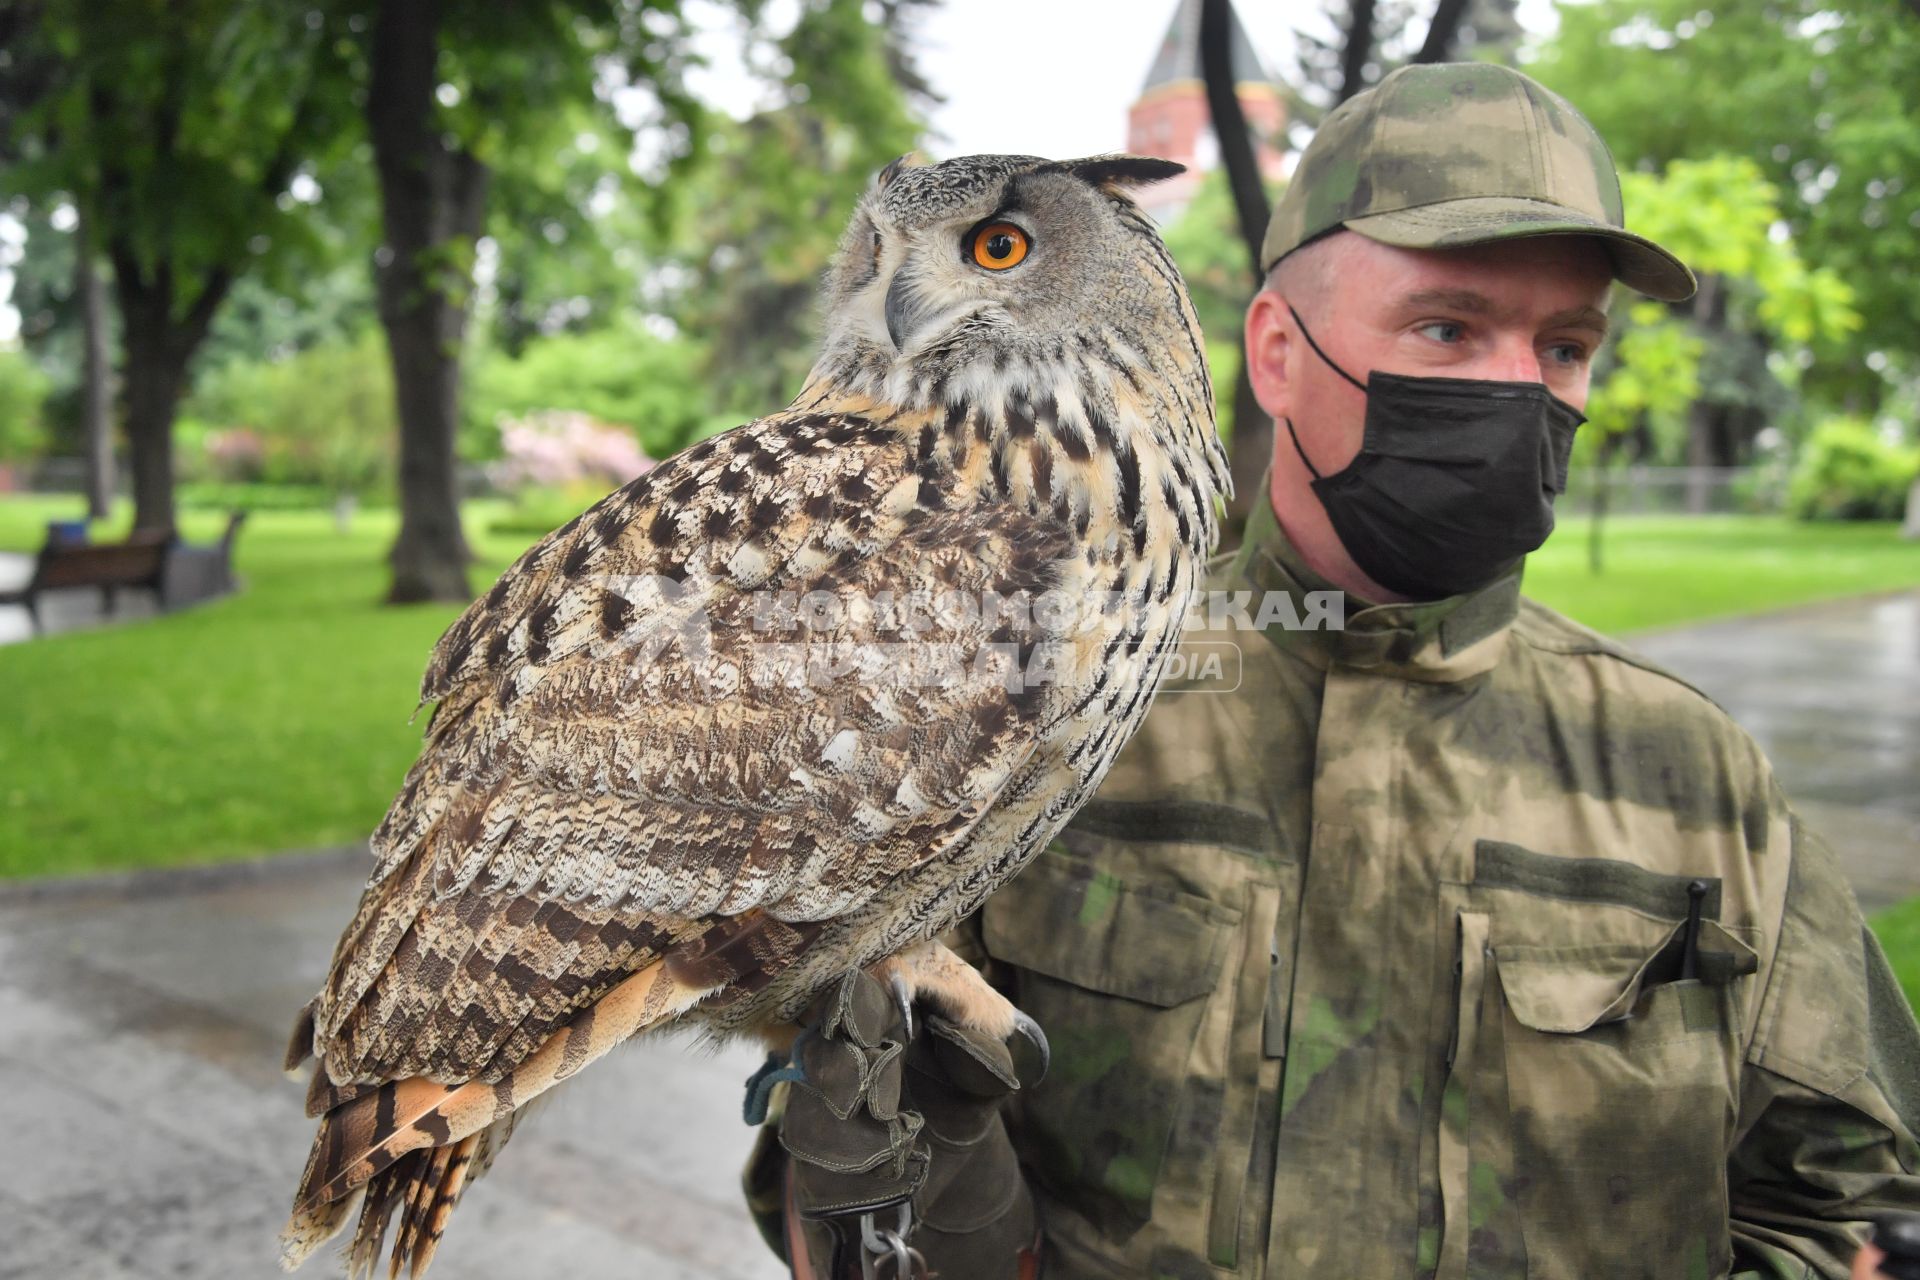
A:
[998,245]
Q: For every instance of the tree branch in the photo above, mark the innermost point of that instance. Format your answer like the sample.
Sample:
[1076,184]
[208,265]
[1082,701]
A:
[1445,27]
[1359,48]
[1230,127]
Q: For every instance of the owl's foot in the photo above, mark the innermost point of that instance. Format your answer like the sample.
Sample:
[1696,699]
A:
[930,972]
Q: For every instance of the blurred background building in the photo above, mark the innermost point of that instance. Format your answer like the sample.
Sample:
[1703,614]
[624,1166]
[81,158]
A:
[1170,118]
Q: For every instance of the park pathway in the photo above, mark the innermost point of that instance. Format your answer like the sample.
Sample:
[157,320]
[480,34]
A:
[1832,694]
[149,1131]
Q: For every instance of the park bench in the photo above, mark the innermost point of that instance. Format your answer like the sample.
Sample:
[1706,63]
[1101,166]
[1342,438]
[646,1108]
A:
[178,573]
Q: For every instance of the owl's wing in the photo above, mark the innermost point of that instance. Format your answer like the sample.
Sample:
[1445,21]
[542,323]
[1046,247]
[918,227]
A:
[626,759]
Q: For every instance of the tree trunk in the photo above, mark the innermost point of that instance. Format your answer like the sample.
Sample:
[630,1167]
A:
[1359,48]
[158,346]
[96,376]
[432,196]
[1251,447]
[1709,313]
[1230,128]
[1249,454]
[1602,491]
[153,382]
[1442,31]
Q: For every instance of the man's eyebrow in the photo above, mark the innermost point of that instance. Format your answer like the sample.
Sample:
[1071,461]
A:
[1587,317]
[1471,303]
[1451,299]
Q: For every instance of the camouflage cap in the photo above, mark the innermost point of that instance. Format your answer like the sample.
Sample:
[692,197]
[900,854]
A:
[1464,153]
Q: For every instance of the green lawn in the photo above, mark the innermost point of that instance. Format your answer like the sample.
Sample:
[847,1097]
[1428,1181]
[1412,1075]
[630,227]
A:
[1661,571]
[277,718]
[273,719]
[1899,932]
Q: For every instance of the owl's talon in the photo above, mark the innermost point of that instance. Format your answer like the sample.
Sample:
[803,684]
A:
[903,996]
[1026,1026]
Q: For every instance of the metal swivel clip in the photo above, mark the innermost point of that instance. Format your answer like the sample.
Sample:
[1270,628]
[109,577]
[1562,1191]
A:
[885,1254]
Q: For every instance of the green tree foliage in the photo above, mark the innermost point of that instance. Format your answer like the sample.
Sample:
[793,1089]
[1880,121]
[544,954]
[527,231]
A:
[1719,215]
[552,99]
[1819,94]
[569,225]
[23,393]
[1849,471]
[1207,248]
[1677,372]
[323,417]
[1650,376]
[50,330]
[175,130]
[757,221]
[620,374]
[269,319]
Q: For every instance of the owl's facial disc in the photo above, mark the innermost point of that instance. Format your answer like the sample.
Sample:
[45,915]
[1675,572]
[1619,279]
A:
[987,270]
[994,245]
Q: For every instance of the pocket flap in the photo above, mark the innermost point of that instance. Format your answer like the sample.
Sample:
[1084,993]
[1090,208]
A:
[1068,920]
[1572,987]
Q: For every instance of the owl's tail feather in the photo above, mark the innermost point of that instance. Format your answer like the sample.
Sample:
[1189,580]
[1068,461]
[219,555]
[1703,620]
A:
[424,1186]
[407,1142]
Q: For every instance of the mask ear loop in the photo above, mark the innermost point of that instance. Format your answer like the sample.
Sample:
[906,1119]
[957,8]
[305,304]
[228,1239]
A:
[1291,433]
[1323,355]
[1295,437]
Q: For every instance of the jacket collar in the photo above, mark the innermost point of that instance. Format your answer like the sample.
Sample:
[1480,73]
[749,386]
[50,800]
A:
[1431,641]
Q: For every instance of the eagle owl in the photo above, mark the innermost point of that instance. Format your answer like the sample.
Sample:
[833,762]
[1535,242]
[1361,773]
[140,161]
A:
[794,702]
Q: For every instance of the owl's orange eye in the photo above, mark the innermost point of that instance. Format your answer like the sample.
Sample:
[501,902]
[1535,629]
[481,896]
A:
[999,245]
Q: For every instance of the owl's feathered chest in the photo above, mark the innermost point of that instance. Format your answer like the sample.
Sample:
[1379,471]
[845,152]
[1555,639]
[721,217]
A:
[1130,525]
[732,686]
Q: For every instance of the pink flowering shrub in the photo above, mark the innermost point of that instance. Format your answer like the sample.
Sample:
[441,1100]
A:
[560,449]
[237,453]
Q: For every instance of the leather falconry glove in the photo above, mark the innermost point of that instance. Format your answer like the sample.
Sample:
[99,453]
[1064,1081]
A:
[899,1161]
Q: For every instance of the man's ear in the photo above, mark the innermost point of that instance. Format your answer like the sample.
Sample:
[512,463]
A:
[1269,342]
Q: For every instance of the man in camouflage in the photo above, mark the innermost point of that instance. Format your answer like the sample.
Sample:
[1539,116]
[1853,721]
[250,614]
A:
[1460,941]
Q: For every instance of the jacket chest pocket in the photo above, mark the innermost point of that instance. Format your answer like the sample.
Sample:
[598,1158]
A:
[1591,1093]
[1123,977]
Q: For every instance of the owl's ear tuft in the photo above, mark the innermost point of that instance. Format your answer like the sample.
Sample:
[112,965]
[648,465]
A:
[908,161]
[1122,170]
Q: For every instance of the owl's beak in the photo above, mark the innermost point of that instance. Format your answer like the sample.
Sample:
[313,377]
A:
[905,310]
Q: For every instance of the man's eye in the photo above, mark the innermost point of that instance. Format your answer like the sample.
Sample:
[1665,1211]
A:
[1446,331]
[1567,353]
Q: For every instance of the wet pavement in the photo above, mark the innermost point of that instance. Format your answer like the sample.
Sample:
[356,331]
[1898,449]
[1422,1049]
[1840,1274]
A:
[149,1131]
[1832,694]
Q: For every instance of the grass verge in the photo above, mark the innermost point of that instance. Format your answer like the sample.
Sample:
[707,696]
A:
[1662,571]
[277,718]
[1898,929]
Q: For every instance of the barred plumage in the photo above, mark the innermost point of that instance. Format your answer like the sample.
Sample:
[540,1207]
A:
[684,765]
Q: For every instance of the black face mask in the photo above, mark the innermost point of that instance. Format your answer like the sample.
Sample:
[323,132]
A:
[1454,481]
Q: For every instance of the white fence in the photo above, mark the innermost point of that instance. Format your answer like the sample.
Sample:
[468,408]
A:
[1642,490]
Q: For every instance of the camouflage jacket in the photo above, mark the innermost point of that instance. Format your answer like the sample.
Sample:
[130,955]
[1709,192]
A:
[1367,961]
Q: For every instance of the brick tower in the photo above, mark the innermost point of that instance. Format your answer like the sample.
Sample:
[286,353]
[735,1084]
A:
[1170,118]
